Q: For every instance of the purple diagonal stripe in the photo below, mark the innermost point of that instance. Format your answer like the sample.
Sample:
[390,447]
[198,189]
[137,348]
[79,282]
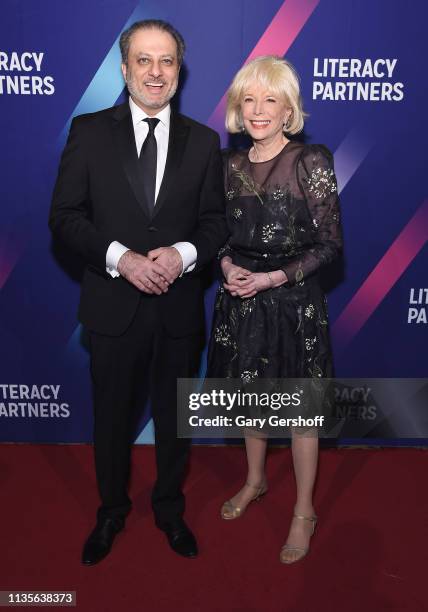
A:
[350,154]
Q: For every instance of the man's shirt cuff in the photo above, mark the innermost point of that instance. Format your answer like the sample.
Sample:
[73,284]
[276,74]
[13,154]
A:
[188,255]
[114,253]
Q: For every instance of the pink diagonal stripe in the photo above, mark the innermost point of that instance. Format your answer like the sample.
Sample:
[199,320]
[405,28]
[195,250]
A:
[380,281]
[6,267]
[284,28]
[12,246]
[277,39]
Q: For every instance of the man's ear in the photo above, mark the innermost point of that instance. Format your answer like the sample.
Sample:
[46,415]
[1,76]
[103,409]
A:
[123,68]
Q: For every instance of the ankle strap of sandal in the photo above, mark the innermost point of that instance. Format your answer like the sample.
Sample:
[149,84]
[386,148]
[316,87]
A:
[312,519]
[257,488]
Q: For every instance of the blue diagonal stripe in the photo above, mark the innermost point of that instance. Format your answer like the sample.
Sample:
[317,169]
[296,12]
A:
[107,84]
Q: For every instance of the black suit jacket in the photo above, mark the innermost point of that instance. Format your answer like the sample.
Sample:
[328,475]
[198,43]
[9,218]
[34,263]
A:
[99,197]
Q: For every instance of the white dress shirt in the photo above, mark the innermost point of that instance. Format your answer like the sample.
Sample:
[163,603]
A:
[187,250]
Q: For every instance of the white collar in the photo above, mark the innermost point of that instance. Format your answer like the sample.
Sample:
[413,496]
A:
[138,114]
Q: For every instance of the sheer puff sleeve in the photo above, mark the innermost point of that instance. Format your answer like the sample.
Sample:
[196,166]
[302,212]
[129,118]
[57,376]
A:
[317,182]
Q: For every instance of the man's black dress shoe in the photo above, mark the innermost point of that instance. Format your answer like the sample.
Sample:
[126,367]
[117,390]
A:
[180,538]
[100,541]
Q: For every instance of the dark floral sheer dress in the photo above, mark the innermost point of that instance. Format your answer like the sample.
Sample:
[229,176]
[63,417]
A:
[282,213]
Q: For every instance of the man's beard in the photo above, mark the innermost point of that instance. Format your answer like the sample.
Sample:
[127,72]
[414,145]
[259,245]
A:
[135,93]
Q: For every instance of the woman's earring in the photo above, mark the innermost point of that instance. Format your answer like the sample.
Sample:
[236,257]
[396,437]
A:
[240,124]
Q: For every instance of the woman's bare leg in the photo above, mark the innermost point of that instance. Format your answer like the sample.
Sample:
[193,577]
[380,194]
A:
[305,461]
[256,456]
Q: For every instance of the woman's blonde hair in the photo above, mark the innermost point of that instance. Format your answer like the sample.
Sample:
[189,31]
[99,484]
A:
[278,76]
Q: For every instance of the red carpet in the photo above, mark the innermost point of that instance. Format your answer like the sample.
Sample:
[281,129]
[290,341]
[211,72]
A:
[369,551]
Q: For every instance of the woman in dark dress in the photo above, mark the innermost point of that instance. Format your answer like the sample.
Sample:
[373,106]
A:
[270,318]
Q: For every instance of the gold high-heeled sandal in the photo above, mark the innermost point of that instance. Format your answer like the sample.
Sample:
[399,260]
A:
[284,556]
[229,511]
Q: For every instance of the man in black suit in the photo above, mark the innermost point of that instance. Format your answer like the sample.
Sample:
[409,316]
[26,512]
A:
[139,195]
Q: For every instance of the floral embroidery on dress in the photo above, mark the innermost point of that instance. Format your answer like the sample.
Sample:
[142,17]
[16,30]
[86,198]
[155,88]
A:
[315,371]
[247,306]
[322,182]
[223,336]
[268,232]
[310,342]
[248,376]
[309,311]
[299,274]
[249,184]
[299,317]
[219,297]
[233,319]
[237,213]
[278,194]
[290,242]
[323,321]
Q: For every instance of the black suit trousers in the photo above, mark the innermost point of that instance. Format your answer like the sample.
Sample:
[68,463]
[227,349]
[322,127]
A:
[145,355]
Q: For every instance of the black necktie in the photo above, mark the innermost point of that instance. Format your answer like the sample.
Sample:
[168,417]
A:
[148,159]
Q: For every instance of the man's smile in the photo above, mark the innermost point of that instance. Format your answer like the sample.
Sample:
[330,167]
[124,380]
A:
[154,86]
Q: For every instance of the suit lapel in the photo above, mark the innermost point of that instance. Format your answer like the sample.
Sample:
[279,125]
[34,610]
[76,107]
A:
[178,133]
[124,136]
[123,132]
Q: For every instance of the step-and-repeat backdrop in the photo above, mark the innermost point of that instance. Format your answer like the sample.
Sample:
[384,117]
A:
[362,67]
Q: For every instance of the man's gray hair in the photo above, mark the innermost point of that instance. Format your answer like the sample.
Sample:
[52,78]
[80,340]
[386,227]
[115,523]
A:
[151,24]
